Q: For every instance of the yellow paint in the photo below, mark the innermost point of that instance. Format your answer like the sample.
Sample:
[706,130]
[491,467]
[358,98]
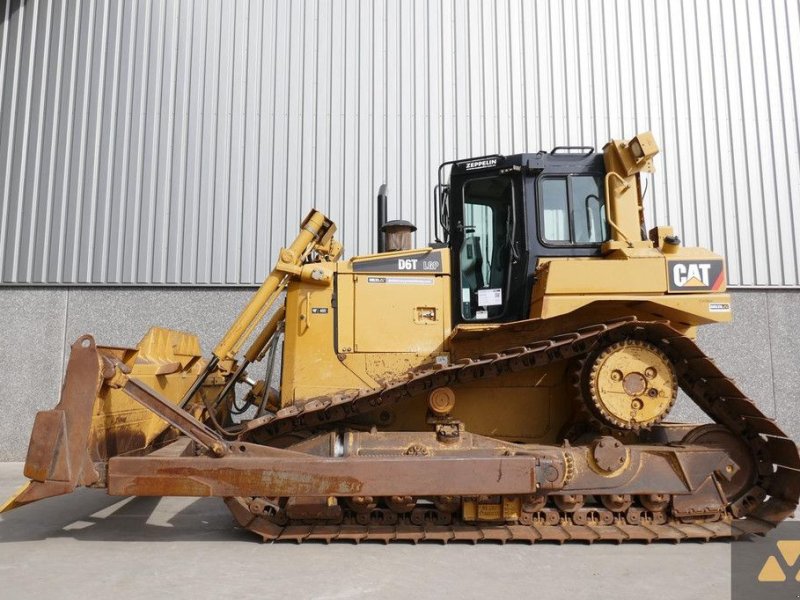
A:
[790,550]
[394,311]
[388,312]
[12,501]
[636,279]
[624,161]
[771,572]
[311,366]
[633,383]
[482,508]
[526,406]
[315,232]
[168,361]
[379,326]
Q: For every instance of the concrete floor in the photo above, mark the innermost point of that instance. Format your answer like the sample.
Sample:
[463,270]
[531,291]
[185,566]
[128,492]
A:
[89,545]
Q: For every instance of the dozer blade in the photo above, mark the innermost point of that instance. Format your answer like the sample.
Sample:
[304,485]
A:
[70,445]
[58,459]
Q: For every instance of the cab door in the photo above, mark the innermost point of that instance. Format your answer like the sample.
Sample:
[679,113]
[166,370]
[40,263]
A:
[489,254]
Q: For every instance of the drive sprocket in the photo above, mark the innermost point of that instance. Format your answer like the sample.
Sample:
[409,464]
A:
[629,385]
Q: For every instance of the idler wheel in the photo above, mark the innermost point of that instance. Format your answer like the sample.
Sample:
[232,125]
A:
[629,385]
[741,477]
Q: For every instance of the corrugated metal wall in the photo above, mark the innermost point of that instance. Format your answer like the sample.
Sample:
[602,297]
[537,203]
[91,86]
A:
[180,142]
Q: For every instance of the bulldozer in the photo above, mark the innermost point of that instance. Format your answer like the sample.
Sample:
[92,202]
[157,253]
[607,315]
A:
[511,381]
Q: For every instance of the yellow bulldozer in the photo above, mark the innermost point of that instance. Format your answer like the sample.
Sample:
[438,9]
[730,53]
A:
[509,382]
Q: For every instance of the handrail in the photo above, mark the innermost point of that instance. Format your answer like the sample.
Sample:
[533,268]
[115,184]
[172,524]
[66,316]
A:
[585,150]
[608,207]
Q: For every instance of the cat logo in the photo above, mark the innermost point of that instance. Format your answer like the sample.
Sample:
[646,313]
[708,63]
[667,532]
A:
[696,275]
[693,275]
[773,572]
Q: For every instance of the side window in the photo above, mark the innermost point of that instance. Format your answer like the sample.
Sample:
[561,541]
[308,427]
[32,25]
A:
[572,210]
[484,256]
[588,209]
[555,209]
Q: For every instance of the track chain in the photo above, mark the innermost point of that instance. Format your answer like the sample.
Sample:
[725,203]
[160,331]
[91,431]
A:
[560,529]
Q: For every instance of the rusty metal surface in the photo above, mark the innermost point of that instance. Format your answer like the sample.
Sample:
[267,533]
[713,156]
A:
[58,457]
[319,476]
[175,416]
[534,469]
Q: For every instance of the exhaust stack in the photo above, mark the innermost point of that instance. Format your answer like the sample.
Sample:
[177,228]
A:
[382,210]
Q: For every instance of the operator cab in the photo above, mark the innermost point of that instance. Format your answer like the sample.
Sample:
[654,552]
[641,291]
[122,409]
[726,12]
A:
[500,214]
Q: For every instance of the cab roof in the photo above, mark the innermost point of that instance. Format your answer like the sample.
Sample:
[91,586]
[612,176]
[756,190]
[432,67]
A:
[555,161]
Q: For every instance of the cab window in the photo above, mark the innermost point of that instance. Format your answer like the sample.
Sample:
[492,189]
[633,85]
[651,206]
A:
[572,210]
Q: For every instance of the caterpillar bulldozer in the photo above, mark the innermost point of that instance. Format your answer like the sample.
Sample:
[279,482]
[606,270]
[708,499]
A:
[509,382]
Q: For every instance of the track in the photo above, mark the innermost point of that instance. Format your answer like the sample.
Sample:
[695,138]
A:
[772,497]
[561,531]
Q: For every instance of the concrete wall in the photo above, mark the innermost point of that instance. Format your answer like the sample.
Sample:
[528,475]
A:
[759,350]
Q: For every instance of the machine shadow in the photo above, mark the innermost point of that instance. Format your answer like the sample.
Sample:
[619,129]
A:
[91,515]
